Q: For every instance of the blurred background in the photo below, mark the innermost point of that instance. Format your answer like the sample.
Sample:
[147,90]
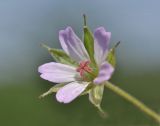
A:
[25,24]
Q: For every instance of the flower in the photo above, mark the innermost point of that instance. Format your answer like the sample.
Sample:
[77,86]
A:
[85,68]
[86,73]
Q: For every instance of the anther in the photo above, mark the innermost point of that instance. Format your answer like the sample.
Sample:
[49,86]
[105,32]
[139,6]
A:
[84,67]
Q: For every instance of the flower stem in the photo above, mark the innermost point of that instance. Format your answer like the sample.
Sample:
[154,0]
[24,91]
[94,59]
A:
[134,101]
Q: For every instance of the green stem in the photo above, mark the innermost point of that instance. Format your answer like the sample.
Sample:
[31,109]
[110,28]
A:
[133,100]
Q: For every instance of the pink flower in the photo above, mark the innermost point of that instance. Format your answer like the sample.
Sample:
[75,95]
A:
[75,78]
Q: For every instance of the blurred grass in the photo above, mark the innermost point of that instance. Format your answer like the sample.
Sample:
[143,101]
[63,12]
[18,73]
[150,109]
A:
[20,105]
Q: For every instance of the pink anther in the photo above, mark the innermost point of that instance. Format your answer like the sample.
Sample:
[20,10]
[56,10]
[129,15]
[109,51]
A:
[84,67]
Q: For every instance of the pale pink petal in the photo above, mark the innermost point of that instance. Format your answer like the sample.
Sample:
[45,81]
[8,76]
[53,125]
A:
[105,73]
[58,78]
[101,44]
[72,45]
[71,91]
[58,73]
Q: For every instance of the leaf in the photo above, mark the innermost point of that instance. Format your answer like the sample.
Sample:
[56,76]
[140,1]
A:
[53,89]
[111,58]
[88,40]
[60,56]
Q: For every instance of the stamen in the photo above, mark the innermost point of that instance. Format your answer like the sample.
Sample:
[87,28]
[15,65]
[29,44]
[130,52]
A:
[84,67]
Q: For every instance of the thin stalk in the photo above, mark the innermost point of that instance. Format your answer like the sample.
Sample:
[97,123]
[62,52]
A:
[133,100]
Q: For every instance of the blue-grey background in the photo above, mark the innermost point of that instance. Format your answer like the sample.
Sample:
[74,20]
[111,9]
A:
[25,24]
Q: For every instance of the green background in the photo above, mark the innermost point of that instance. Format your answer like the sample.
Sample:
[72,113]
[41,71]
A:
[25,24]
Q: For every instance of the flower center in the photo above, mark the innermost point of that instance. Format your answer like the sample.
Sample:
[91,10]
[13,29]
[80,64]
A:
[84,67]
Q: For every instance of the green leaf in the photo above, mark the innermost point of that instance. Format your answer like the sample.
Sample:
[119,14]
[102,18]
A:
[88,41]
[111,58]
[60,56]
[53,89]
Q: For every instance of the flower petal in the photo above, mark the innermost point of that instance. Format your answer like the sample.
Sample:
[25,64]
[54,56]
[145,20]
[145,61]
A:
[58,73]
[72,45]
[105,73]
[70,91]
[101,43]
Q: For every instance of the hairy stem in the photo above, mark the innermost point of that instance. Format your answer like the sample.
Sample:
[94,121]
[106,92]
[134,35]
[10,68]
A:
[133,100]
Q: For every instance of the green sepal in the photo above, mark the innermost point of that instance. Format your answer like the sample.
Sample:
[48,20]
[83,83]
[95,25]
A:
[111,57]
[53,89]
[87,90]
[88,41]
[96,94]
[95,97]
[60,56]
